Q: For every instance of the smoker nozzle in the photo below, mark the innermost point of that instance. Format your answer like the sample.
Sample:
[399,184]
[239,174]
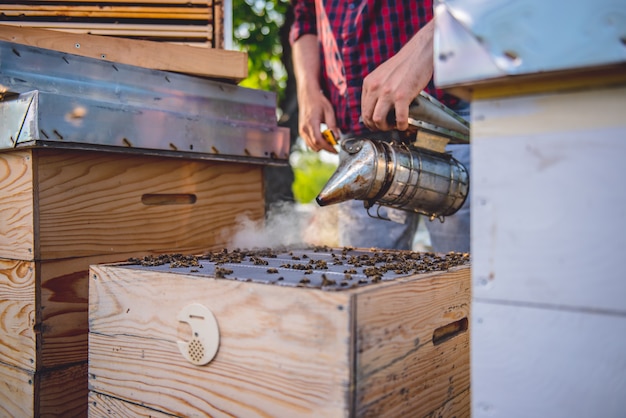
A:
[356,175]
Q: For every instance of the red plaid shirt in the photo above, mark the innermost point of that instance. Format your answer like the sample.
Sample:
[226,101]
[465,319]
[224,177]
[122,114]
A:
[356,37]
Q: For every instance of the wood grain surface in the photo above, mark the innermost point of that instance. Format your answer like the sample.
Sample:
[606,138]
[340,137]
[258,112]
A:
[63,391]
[18,298]
[399,370]
[58,392]
[458,407]
[101,405]
[24,11]
[137,2]
[283,351]
[81,203]
[17,205]
[91,203]
[204,62]
[63,306]
[17,397]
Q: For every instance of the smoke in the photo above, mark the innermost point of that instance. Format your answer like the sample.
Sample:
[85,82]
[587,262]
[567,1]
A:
[287,225]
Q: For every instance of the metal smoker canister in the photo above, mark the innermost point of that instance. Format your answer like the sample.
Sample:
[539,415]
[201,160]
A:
[398,176]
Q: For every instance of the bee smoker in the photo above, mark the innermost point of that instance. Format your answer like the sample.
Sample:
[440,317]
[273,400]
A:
[413,174]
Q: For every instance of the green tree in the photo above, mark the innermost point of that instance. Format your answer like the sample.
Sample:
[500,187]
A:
[257,30]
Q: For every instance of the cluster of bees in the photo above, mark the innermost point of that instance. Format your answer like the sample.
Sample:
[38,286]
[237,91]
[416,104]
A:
[174,260]
[372,264]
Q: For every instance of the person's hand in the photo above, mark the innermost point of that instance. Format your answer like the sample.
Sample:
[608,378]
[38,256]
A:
[395,83]
[315,109]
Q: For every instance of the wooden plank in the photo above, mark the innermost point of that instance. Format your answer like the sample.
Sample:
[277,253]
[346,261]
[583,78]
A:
[18,342]
[133,2]
[101,12]
[91,203]
[530,362]
[63,392]
[215,63]
[282,352]
[400,370]
[121,29]
[548,210]
[17,397]
[198,44]
[51,393]
[101,405]
[218,35]
[64,307]
[17,229]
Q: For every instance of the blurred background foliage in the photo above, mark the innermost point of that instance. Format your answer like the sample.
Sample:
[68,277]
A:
[261,28]
[257,30]
[311,173]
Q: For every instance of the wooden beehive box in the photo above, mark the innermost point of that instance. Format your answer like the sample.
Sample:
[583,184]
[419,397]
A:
[192,22]
[63,210]
[396,347]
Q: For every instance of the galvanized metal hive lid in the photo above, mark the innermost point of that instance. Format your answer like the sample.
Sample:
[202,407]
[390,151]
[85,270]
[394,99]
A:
[316,267]
[53,99]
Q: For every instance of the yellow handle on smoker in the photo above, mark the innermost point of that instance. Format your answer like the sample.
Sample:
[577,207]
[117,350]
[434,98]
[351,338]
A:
[329,136]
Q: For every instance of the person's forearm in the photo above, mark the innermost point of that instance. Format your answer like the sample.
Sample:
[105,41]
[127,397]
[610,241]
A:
[314,107]
[306,63]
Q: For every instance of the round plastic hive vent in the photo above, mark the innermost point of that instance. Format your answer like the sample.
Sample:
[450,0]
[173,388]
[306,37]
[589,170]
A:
[201,349]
